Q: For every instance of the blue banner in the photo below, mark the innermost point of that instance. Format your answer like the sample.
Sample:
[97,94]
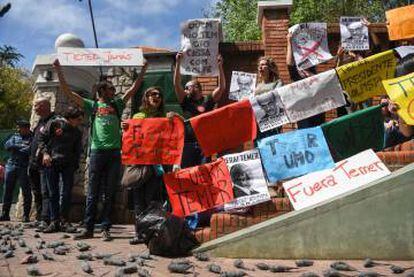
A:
[295,153]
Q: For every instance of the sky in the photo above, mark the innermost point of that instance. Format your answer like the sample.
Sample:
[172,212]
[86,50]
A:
[32,26]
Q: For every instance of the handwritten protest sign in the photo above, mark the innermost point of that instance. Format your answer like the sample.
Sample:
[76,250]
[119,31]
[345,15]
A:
[362,79]
[249,183]
[225,128]
[400,22]
[354,33]
[199,43]
[356,132]
[153,141]
[196,189]
[295,153]
[347,175]
[242,85]
[401,90]
[71,56]
[310,44]
[269,110]
[312,96]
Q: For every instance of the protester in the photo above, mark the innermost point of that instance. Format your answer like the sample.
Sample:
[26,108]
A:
[194,103]
[37,177]
[268,76]
[60,144]
[147,179]
[16,170]
[297,75]
[105,154]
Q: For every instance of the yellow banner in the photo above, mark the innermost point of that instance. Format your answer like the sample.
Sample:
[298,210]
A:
[401,90]
[400,22]
[361,80]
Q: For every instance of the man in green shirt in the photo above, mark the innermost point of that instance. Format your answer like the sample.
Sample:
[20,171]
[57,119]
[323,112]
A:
[105,154]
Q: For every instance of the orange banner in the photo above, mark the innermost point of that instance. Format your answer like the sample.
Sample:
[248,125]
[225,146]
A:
[153,141]
[225,128]
[401,22]
[199,188]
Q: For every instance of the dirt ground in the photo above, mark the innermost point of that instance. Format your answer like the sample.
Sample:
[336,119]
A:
[69,265]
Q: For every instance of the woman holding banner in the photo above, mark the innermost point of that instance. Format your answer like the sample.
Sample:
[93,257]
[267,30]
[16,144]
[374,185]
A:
[146,180]
[268,75]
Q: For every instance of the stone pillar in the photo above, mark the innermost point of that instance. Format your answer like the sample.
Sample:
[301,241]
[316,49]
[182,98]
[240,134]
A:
[273,18]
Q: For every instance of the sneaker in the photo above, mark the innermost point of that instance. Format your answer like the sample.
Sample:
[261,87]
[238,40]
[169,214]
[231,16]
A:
[106,235]
[4,217]
[41,226]
[53,227]
[84,234]
[136,240]
[68,228]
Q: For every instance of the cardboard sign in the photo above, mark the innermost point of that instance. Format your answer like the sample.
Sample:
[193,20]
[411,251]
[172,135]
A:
[199,43]
[153,141]
[347,175]
[356,132]
[401,90]
[295,153]
[71,56]
[362,79]
[354,33]
[310,44]
[400,22]
[196,189]
[225,128]
[312,96]
[249,183]
[242,85]
[269,110]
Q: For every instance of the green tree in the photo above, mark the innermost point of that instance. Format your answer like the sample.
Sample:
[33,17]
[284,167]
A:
[9,56]
[15,96]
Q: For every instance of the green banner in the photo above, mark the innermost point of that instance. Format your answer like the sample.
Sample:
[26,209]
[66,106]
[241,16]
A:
[354,133]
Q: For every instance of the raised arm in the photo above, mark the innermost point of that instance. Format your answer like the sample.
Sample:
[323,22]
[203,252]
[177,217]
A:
[374,37]
[289,53]
[218,92]
[137,84]
[64,86]
[179,90]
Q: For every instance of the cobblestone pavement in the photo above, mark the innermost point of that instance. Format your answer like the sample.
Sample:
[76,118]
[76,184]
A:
[69,265]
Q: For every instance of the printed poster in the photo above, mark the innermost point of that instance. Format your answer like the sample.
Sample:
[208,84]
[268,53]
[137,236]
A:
[196,189]
[401,90]
[242,85]
[354,33]
[73,56]
[310,44]
[400,22]
[249,183]
[362,79]
[295,153]
[153,141]
[347,175]
[312,96]
[199,44]
[269,110]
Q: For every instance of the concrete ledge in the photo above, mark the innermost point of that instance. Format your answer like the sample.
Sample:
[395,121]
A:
[271,5]
[376,221]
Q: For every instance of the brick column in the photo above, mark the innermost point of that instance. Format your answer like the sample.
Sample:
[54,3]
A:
[273,17]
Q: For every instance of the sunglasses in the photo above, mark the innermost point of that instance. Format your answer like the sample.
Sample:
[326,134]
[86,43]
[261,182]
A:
[154,94]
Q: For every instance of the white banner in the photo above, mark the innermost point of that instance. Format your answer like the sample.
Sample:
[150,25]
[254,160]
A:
[311,96]
[199,43]
[242,85]
[354,33]
[268,110]
[347,175]
[249,183]
[71,56]
[310,44]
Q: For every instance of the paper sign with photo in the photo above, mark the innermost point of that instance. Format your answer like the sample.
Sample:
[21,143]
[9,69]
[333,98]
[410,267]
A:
[242,85]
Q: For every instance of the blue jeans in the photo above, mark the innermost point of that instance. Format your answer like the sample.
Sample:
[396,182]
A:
[104,177]
[16,174]
[59,197]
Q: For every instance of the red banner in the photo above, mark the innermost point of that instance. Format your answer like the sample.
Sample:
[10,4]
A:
[225,128]
[196,189]
[153,141]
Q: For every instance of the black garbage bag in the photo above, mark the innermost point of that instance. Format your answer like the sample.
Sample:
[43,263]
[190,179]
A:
[165,234]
